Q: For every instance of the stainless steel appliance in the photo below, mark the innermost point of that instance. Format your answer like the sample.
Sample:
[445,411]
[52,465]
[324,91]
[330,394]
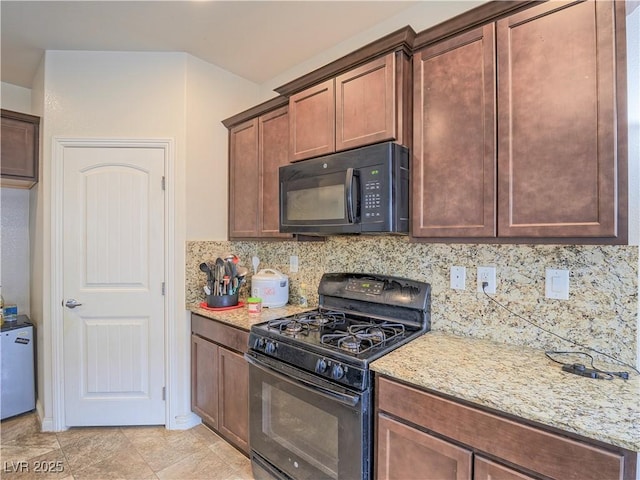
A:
[365,190]
[18,393]
[310,386]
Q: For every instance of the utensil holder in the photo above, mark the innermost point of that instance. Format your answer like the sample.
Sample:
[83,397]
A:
[219,301]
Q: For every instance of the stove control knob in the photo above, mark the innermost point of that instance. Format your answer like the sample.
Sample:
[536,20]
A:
[337,372]
[259,344]
[270,347]
[321,366]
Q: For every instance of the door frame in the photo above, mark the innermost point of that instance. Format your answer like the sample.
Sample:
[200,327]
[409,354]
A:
[56,312]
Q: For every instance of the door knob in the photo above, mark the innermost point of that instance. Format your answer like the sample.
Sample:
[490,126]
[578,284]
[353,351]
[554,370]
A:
[72,303]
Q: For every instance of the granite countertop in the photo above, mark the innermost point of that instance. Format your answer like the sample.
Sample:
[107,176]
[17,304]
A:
[239,317]
[523,382]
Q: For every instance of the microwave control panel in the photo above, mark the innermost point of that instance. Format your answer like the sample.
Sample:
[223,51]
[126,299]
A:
[373,193]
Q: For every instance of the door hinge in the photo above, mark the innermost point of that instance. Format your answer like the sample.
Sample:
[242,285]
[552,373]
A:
[164,393]
[163,288]
[164,184]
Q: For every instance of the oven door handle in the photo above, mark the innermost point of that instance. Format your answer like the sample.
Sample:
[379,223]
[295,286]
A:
[344,398]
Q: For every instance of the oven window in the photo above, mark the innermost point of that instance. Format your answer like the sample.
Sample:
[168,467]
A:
[318,203]
[286,420]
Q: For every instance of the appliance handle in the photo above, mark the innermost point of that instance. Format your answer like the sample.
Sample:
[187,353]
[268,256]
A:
[344,398]
[348,184]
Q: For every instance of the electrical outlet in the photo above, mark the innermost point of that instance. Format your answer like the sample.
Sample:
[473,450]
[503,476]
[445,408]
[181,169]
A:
[487,274]
[293,263]
[458,277]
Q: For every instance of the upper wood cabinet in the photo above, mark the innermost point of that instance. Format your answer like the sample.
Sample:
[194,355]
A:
[454,146]
[19,150]
[257,148]
[365,105]
[529,142]
[559,164]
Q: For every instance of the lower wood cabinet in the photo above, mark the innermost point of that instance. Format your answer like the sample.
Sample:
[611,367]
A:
[220,379]
[421,435]
[406,452]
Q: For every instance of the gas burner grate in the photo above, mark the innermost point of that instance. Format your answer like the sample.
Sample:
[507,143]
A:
[362,338]
[303,323]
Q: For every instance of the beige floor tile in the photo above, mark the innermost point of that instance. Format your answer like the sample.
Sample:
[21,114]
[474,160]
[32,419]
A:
[87,450]
[23,425]
[127,453]
[206,435]
[202,465]
[229,454]
[124,464]
[21,453]
[161,447]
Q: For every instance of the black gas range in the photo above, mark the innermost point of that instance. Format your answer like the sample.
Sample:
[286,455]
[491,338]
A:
[310,371]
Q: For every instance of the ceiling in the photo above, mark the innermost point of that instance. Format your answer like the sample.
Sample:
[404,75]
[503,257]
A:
[257,40]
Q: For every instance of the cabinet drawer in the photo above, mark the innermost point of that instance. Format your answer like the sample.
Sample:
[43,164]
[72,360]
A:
[532,448]
[226,335]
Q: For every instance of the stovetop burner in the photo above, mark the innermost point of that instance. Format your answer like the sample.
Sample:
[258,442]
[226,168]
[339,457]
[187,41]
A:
[303,323]
[364,337]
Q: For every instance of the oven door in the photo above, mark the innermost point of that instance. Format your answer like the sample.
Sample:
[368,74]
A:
[305,427]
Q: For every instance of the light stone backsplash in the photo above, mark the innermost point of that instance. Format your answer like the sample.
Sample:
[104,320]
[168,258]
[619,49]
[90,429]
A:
[601,313]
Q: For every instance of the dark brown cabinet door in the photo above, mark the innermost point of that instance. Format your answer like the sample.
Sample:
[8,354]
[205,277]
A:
[204,379]
[257,148]
[484,469]
[234,398]
[405,452]
[243,180]
[557,161]
[312,115]
[366,104]
[274,153]
[454,160]
[20,149]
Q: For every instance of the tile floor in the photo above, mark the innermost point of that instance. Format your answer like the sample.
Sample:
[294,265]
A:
[127,453]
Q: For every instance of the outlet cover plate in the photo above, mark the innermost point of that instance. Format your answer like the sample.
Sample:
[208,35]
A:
[487,274]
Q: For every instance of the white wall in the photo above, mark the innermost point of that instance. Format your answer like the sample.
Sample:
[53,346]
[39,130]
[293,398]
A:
[14,220]
[213,94]
[423,15]
[140,95]
[14,265]
[13,97]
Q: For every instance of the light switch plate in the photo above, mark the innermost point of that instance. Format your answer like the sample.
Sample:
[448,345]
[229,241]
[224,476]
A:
[556,284]
[458,277]
[293,263]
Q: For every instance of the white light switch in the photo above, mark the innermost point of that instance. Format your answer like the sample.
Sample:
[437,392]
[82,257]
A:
[293,263]
[458,277]
[557,284]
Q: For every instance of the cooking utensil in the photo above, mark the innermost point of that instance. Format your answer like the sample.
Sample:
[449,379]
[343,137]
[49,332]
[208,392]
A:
[241,272]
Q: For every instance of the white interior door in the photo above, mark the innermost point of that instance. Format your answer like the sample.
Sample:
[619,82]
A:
[113,260]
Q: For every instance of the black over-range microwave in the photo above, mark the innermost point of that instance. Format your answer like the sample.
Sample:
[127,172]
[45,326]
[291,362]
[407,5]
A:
[365,190]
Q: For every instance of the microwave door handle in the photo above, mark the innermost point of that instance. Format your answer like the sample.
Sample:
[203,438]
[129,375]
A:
[348,183]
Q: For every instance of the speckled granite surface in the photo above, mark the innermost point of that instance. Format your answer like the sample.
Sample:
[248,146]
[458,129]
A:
[520,381]
[241,319]
[602,310]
